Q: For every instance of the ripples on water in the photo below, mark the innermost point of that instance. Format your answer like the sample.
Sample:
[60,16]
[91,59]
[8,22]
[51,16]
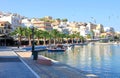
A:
[103,60]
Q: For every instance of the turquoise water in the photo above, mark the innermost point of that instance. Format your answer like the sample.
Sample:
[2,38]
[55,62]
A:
[102,60]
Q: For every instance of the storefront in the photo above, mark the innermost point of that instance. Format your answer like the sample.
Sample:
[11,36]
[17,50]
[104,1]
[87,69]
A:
[6,40]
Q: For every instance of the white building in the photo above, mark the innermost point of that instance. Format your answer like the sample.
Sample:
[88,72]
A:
[110,32]
[91,26]
[84,31]
[109,29]
[26,22]
[13,19]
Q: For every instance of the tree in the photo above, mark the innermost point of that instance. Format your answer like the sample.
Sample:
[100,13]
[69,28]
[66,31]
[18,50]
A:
[46,20]
[54,34]
[81,38]
[60,37]
[88,36]
[67,36]
[45,35]
[72,36]
[20,32]
[28,34]
[58,19]
[50,36]
[38,35]
[92,34]
[64,20]
[77,35]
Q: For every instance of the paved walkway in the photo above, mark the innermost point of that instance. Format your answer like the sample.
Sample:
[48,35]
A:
[12,67]
[56,70]
[20,65]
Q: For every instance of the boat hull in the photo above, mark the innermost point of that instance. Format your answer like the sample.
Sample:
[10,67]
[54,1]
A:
[54,50]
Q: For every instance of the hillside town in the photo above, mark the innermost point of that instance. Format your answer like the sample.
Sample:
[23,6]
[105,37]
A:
[10,21]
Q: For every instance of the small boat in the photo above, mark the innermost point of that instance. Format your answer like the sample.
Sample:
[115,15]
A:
[80,44]
[57,48]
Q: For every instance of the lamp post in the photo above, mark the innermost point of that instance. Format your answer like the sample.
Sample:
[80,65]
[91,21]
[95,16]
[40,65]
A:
[18,42]
[5,35]
[33,46]
[34,53]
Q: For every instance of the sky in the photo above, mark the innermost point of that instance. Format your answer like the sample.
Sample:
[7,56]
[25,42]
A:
[105,12]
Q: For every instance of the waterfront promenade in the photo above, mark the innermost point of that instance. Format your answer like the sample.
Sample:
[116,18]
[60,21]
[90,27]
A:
[12,67]
[19,64]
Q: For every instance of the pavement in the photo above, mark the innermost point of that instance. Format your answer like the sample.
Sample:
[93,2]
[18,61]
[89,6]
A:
[17,63]
[11,66]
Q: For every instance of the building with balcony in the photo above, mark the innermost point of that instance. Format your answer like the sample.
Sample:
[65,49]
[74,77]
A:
[91,26]
[13,19]
[26,22]
[5,29]
[42,25]
[110,32]
[74,26]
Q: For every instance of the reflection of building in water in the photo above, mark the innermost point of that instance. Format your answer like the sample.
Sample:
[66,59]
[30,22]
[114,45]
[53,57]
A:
[84,56]
[92,56]
[107,58]
[97,53]
[89,57]
[106,52]
[74,56]
[97,56]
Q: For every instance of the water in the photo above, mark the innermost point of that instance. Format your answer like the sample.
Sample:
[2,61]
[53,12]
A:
[103,60]
[36,48]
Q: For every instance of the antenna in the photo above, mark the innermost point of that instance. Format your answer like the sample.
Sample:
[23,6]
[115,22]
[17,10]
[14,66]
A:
[93,19]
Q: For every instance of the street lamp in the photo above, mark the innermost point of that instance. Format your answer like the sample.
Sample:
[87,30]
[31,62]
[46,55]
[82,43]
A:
[34,53]
[18,42]
[5,35]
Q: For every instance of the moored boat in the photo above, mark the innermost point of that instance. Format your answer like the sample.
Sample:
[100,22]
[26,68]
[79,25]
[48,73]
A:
[79,44]
[57,48]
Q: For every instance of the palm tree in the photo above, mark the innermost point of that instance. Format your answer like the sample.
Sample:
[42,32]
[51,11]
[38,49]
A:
[50,36]
[54,34]
[61,35]
[38,34]
[28,34]
[20,32]
[88,36]
[92,34]
[77,35]
[81,39]
[72,36]
[67,36]
[45,35]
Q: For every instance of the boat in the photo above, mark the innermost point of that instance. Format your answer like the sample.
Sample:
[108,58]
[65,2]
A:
[80,44]
[57,48]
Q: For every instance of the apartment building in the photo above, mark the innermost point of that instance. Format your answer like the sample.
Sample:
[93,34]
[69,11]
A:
[109,31]
[13,19]
[42,25]
[99,29]
[74,26]
[5,27]
[26,22]
[91,26]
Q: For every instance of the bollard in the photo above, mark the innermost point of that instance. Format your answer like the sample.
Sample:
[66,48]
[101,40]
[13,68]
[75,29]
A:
[35,55]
